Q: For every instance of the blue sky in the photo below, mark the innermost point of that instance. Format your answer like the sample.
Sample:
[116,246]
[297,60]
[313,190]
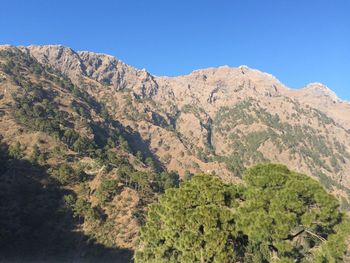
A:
[298,41]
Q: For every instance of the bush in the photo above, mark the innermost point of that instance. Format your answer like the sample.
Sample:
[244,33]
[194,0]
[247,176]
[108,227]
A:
[65,174]
[107,189]
[16,151]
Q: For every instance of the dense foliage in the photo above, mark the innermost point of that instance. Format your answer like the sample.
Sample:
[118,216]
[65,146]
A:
[276,215]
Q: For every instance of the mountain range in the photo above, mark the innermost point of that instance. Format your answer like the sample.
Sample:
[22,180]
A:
[68,104]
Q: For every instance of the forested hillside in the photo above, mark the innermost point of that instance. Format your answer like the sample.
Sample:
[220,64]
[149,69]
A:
[62,149]
[89,142]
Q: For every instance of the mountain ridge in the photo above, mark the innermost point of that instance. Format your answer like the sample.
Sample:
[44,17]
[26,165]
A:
[200,70]
[194,100]
[112,138]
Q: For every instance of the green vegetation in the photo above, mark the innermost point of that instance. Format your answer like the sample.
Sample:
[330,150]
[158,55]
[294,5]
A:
[146,186]
[318,151]
[107,189]
[35,154]
[16,151]
[81,176]
[40,109]
[65,174]
[35,225]
[49,103]
[275,216]
[191,224]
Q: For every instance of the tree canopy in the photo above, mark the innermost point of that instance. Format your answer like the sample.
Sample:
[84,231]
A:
[275,215]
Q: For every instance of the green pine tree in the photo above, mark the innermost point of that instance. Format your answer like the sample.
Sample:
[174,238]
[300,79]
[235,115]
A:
[275,215]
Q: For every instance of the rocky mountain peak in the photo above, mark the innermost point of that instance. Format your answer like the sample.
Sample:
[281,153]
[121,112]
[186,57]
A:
[62,58]
[233,80]
[2,47]
[321,90]
[105,69]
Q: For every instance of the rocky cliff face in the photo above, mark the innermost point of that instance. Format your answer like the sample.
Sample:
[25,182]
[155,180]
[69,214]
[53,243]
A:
[217,119]
[102,68]
[321,97]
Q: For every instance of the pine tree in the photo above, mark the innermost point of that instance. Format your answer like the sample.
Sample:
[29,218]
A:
[284,212]
[276,215]
[193,223]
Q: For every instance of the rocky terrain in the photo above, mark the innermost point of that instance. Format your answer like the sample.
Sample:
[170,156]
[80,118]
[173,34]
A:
[189,117]
[222,120]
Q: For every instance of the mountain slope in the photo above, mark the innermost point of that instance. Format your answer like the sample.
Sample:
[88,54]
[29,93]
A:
[187,120]
[57,136]
[120,127]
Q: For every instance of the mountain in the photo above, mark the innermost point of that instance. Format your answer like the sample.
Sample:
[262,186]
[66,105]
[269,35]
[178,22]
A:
[95,120]
[209,115]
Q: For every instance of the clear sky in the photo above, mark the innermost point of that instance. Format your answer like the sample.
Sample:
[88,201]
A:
[298,41]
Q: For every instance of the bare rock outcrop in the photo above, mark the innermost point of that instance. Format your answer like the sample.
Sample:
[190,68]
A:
[105,69]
